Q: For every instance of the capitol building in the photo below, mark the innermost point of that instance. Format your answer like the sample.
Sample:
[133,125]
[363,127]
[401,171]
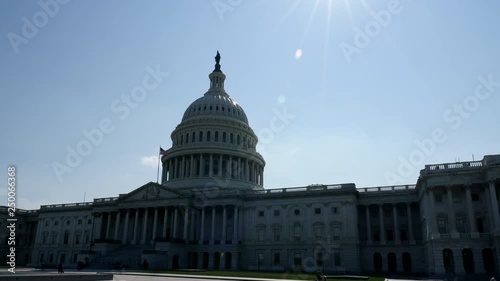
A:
[210,211]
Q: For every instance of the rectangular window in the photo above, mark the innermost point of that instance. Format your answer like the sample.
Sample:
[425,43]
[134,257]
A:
[79,221]
[404,235]
[438,198]
[276,234]
[317,211]
[389,235]
[51,257]
[260,258]
[89,221]
[457,198]
[475,196]
[460,224]
[335,210]
[260,235]
[336,232]
[261,213]
[277,259]
[336,258]
[75,257]
[77,239]
[297,259]
[276,213]
[319,259]
[442,225]
[318,232]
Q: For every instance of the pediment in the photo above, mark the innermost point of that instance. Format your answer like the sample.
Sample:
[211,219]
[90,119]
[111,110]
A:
[149,191]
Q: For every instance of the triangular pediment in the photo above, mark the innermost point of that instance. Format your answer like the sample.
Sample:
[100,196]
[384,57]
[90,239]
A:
[150,191]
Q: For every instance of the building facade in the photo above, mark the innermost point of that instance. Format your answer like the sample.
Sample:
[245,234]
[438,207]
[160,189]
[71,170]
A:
[211,211]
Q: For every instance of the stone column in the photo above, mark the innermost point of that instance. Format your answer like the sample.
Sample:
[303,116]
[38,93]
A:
[235,227]
[211,166]
[470,212]
[176,168]
[165,218]
[368,224]
[186,223]
[224,224]
[451,213]
[494,205]
[108,225]
[125,227]
[432,214]
[117,224]
[183,166]
[155,224]
[230,166]
[191,163]
[247,170]
[212,237]
[382,228]
[145,226]
[136,220]
[397,237]
[410,223]
[262,176]
[202,230]
[201,166]
[176,214]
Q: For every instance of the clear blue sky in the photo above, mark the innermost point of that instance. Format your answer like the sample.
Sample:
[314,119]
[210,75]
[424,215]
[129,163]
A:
[371,80]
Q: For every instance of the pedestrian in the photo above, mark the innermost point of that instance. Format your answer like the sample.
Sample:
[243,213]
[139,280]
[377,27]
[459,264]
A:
[60,268]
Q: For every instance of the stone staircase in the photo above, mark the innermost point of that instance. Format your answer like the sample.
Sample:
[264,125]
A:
[126,254]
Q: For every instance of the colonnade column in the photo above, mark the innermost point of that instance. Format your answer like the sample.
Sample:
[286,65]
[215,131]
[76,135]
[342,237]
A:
[144,226]
[176,168]
[220,165]
[239,168]
[470,212]
[224,213]
[432,214]
[108,226]
[247,170]
[176,214]
[183,166]
[155,222]
[397,237]
[451,212]
[368,224]
[186,223]
[235,225]
[200,172]
[165,218]
[382,228]
[125,227]
[117,224]
[410,222]
[494,204]
[191,170]
[212,236]
[136,219]
[211,166]
[202,230]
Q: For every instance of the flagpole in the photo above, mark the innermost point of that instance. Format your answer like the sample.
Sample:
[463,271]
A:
[158,170]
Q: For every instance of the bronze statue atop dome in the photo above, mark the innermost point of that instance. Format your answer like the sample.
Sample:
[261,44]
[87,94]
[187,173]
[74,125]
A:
[217,60]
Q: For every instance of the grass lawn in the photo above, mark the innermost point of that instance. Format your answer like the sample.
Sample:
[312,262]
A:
[271,275]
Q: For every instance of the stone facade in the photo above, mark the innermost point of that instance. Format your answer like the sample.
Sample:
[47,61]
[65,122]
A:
[211,211]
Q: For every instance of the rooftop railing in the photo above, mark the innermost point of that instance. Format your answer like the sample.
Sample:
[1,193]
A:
[387,188]
[68,205]
[453,166]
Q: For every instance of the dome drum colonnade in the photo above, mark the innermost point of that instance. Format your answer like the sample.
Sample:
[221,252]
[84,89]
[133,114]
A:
[214,141]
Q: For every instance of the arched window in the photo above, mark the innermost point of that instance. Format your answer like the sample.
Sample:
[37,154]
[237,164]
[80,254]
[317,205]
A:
[208,136]
[216,136]
[200,138]
[182,139]
[187,137]
[231,138]
[238,140]
[224,137]
[193,137]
